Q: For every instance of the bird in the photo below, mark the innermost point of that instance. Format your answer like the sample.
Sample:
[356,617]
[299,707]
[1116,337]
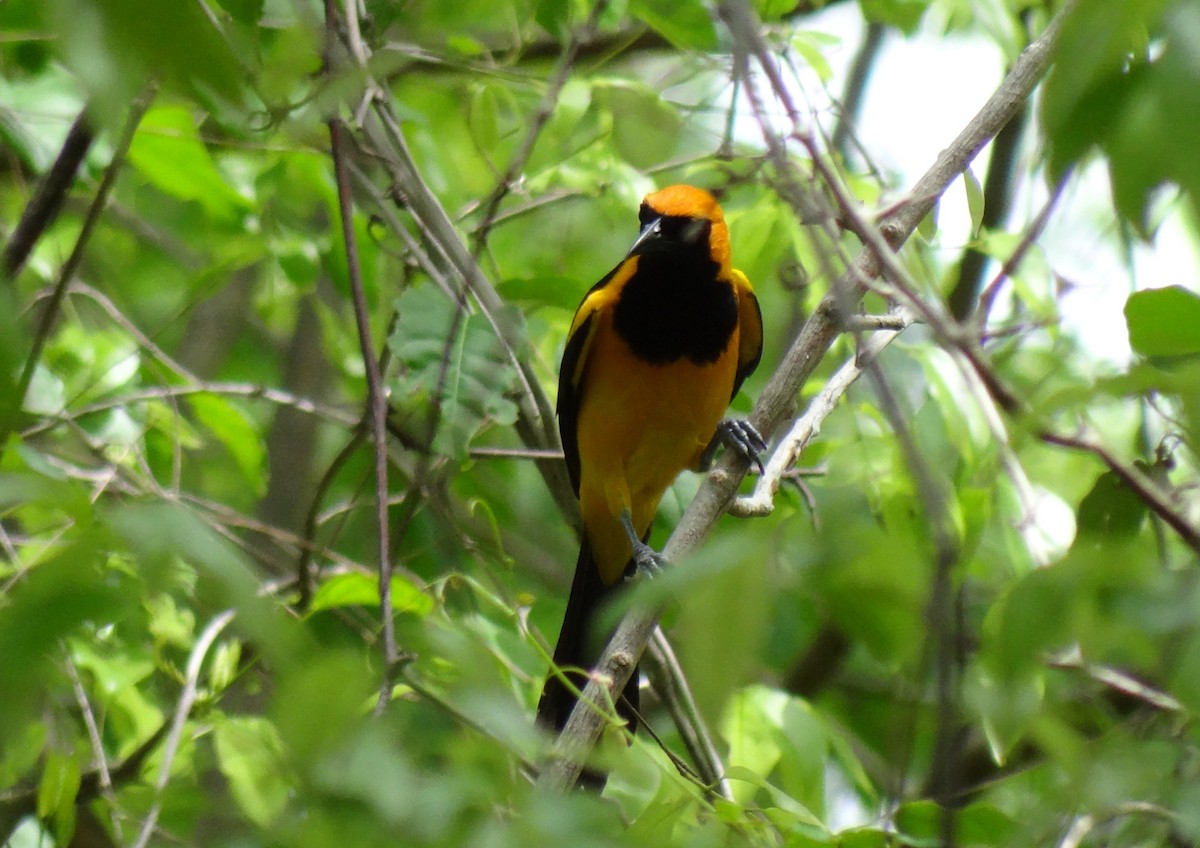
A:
[656,351]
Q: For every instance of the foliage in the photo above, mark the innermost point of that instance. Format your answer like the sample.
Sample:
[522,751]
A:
[190,442]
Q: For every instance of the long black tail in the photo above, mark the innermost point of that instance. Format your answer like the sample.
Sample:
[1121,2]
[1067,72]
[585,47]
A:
[580,646]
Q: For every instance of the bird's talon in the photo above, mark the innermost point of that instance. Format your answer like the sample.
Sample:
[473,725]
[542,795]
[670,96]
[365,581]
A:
[742,437]
[647,561]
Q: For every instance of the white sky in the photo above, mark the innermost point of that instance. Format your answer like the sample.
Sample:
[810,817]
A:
[922,92]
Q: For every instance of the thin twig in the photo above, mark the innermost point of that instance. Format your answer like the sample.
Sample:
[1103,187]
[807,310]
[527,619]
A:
[1133,477]
[305,578]
[671,684]
[67,272]
[182,710]
[1028,239]
[535,421]
[808,426]
[376,402]
[203,387]
[15,805]
[545,108]
[93,731]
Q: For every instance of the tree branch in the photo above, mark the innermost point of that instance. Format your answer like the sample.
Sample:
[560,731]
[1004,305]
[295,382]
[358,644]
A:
[67,272]
[43,207]
[545,108]
[192,680]
[376,400]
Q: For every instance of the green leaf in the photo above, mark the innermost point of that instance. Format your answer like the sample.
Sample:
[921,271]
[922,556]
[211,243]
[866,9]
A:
[250,755]
[243,11]
[811,46]
[645,128]
[116,46]
[1129,90]
[49,603]
[1035,616]
[462,356]
[974,200]
[750,727]
[920,820]
[769,730]
[928,226]
[1007,708]
[1111,509]
[56,793]
[685,23]
[493,116]
[904,15]
[865,837]
[554,16]
[161,534]
[774,10]
[1164,322]
[358,589]
[111,672]
[46,394]
[169,624]
[237,433]
[984,824]
[167,150]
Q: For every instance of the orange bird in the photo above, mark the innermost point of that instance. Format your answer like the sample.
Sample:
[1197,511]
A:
[656,351]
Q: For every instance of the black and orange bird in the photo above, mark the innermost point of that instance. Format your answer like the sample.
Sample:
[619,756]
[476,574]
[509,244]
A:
[656,352]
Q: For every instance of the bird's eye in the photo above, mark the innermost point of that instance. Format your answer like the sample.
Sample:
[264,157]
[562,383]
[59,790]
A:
[673,227]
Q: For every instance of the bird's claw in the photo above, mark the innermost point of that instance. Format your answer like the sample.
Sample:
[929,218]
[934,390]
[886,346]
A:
[742,437]
[647,561]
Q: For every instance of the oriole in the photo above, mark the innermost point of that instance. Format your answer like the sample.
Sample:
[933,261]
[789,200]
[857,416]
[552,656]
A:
[656,351]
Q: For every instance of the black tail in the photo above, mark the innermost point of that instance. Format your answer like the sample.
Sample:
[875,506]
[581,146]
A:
[580,646]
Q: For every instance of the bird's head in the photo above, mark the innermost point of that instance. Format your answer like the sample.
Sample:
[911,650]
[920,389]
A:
[683,217]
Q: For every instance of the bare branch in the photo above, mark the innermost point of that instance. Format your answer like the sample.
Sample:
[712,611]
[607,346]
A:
[808,426]
[43,207]
[1133,477]
[182,709]
[67,272]
[376,401]
[545,108]
[671,684]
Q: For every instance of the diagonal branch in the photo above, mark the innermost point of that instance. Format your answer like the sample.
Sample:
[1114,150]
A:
[182,710]
[45,204]
[545,108]
[67,273]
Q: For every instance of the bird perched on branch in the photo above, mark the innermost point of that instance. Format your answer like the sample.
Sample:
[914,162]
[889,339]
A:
[656,352]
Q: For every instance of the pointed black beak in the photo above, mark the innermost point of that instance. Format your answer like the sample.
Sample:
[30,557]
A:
[651,231]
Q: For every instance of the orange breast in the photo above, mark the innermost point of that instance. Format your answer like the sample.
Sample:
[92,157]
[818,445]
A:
[639,425]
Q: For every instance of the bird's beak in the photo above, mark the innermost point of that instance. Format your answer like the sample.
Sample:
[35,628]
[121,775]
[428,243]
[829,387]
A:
[651,231]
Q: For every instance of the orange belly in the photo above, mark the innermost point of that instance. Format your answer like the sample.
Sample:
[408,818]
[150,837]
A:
[639,425]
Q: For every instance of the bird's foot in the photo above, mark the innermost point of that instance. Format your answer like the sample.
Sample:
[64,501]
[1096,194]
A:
[741,437]
[647,561]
